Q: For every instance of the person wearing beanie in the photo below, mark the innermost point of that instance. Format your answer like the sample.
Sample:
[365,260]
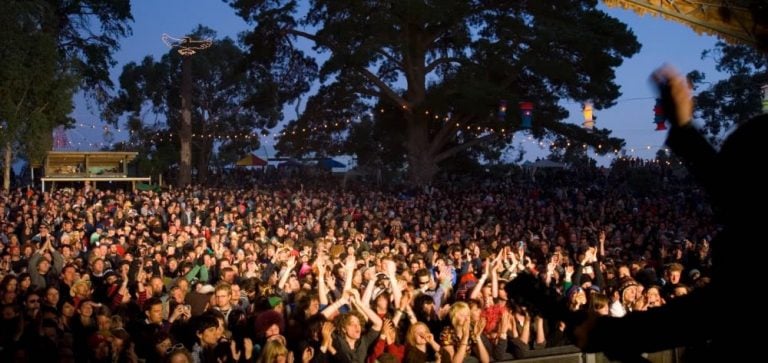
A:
[275,303]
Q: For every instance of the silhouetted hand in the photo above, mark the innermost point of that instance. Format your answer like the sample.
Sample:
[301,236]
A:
[675,92]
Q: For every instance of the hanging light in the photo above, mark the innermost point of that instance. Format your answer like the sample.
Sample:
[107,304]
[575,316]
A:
[526,114]
[502,114]
[589,116]
[659,118]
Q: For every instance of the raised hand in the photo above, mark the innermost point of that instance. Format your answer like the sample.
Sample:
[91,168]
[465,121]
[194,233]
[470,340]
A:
[388,331]
[487,269]
[233,349]
[445,273]
[405,300]
[479,327]
[307,355]
[675,93]
[506,323]
[291,263]
[327,331]
[248,345]
[390,267]
[349,263]
[465,331]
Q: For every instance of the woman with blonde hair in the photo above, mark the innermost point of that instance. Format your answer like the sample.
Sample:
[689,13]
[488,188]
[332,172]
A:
[274,352]
[420,344]
[653,296]
[460,340]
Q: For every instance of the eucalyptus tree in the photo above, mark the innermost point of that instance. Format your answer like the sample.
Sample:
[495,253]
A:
[732,100]
[35,95]
[443,68]
[50,49]
[231,105]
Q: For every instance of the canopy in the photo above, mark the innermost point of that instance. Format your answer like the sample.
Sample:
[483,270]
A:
[329,163]
[738,21]
[251,160]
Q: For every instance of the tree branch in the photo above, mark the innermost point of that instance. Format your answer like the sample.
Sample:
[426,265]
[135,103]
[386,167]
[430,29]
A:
[445,132]
[364,71]
[461,147]
[431,67]
[390,57]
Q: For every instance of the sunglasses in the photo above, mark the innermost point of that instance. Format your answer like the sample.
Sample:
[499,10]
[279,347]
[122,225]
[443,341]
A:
[174,348]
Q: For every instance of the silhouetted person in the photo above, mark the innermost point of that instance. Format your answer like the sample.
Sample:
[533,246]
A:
[716,318]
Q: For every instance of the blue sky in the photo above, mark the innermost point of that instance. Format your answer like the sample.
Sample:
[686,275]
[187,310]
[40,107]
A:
[631,118]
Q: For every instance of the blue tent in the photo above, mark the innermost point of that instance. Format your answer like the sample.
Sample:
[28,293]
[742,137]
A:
[329,163]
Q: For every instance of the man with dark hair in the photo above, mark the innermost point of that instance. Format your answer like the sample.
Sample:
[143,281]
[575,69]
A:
[153,323]
[43,271]
[67,279]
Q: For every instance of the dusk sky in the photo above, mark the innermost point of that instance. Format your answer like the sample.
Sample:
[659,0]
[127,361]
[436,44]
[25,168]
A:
[631,119]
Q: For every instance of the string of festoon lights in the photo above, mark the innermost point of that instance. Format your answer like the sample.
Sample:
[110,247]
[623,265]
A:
[628,152]
[526,140]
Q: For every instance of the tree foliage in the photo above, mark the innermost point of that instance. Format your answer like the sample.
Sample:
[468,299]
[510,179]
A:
[733,100]
[87,34]
[441,68]
[229,102]
[35,96]
[48,49]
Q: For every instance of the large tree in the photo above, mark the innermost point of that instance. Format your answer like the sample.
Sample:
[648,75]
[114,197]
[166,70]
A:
[87,34]
[441,68]
[49,49]
[229,101]
[35,95]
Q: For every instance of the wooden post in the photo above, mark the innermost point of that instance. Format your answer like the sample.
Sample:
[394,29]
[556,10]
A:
[88,166]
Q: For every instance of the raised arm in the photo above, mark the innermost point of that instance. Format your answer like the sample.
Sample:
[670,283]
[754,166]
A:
[479,286]
[290,264]
[332,309]
[366,310]
[349,272]
[497,266]
[391,271]
[368,293]
[683,138]
[322,288]
[480,349]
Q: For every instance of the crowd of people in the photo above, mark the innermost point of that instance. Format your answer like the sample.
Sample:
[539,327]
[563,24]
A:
[308,272]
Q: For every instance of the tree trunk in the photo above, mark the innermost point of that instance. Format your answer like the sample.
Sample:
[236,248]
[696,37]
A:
[421,169]
[7,164]
[185,134]
[202,164]
[422,166]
